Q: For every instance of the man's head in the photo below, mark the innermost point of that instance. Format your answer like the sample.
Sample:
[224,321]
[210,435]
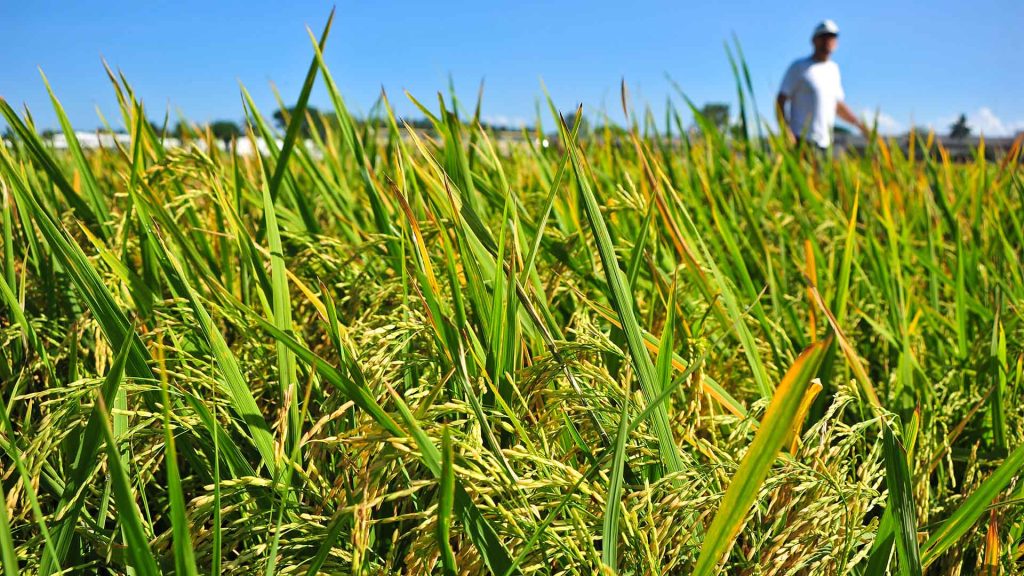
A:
[825,38]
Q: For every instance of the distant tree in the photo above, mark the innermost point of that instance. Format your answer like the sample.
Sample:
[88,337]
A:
[919,130]
[736,131]
[611,127]
[841,130]
[48,133]
[281,117]
[960,129]
[500,127]
[225,130]
[570,121]
[320,121]
[184,128]
[420,123]
[717,114]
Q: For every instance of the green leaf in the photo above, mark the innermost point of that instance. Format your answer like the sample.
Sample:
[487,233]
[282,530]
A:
[7,555]
[477,527]
[92,188]
[622,301]
[181,540]
[238,390]
[901,501]
[282,315]
[85,461]
[445,505]
[139,554]
[298,116]
[963,519]
[27,481]
[759,457]
[38,152]
[613,505]
[881,548]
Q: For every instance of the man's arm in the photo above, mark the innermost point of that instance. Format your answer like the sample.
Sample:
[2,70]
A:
[845,113]
[790,80]
[780,116]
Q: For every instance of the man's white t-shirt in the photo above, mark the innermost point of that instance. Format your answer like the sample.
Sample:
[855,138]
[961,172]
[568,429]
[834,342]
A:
[814,90]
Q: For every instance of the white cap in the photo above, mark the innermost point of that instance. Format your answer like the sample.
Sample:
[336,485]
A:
[826,27]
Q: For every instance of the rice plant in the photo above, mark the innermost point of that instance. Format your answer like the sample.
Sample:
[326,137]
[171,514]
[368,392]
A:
[392,350]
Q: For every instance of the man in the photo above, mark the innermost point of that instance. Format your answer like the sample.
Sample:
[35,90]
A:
[814,91]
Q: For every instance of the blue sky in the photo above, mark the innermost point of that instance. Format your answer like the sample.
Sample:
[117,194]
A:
[915,62]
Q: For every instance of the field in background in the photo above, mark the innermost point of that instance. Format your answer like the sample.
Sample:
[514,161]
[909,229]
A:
[404,353]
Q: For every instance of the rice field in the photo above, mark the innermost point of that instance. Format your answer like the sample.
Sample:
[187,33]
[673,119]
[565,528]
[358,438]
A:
[640,351]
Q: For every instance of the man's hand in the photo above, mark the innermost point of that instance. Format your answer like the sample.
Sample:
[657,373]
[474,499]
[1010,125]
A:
[845,113]
[780,116]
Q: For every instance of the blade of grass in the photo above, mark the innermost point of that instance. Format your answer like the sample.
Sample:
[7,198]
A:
[85,461]
[477,527]
[298,115]
[282,314]
[622,301]
[758,460]
[445,505]
[27,481]
[901,500]
[38,152]
[328,542]
[139,553]
[181,541]
[881,549]
[992,545]
[963,519]
[238,390]
[92,188]
[7,553]
[610,530]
